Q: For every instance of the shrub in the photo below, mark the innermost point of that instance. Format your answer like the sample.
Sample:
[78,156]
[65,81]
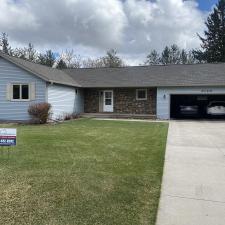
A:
[71,116]
[67,117]
[40,112]
[75,116]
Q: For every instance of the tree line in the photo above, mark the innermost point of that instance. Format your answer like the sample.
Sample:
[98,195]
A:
[67,59]
[212,50]
[170,55]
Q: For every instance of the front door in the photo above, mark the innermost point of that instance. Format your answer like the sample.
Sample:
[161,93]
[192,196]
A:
[108,101]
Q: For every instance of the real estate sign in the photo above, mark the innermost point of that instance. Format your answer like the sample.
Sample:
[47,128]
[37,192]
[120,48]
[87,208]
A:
[7,137]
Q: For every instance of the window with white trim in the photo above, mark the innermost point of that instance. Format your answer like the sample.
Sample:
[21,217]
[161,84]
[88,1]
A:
[141,94]
[20,92]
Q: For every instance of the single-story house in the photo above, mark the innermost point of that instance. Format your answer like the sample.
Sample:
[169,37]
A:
[157,91]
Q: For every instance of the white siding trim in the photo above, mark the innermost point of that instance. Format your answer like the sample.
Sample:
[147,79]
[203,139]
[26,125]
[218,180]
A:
[32,91]
[62,100]
[8,92]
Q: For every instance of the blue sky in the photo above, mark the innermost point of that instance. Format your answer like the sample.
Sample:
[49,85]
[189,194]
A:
[206,5]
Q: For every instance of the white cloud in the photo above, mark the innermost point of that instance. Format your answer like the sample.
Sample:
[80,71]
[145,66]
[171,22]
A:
[15,16]
[133,27]
[163,22]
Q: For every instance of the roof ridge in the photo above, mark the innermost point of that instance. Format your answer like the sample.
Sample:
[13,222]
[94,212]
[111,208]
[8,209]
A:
[144,66]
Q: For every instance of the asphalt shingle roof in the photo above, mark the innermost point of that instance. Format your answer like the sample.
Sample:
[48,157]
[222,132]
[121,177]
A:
[46,73]
[151,76]
[138,76]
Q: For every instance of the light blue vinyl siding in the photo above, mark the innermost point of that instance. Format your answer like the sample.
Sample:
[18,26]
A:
[10,74]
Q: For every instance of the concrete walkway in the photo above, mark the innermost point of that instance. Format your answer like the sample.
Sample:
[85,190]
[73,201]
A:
[193,189]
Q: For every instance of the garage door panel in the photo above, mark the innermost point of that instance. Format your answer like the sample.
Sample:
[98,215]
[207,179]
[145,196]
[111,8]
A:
[194,106]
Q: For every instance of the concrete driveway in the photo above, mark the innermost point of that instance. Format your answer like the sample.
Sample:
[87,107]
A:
[193,188]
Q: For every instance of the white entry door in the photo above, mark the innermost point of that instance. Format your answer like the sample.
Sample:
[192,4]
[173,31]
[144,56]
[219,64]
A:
[108,101]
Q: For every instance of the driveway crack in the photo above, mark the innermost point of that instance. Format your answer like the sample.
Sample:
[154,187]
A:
[198,199]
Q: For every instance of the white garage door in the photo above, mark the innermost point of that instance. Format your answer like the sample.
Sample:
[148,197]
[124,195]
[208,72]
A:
[62,100]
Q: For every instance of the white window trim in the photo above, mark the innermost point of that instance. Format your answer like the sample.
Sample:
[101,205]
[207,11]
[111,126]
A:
[20,100]
[146,94]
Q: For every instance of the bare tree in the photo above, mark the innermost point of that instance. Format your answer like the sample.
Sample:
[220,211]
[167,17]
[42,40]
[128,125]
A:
[76,62]
[31,53]
[19,53]
[112,59]
[71,59]
[93,63]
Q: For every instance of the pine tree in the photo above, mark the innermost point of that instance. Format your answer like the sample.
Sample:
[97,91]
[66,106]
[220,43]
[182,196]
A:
[4,42]
[175,54]
[171,55]
[183,57]
[61,64]
[213,44]
[47,59]
[153,58]
[166,56]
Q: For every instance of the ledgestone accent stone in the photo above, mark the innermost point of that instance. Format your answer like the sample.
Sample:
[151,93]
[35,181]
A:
[91,100]
[124,101]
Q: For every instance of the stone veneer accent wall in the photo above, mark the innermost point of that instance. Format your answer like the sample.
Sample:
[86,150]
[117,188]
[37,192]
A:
[91,100]
[124,101]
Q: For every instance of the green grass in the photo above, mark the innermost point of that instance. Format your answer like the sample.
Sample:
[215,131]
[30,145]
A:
[83,172]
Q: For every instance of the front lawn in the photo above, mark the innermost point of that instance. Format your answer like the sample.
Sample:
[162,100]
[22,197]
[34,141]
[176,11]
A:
[83,172]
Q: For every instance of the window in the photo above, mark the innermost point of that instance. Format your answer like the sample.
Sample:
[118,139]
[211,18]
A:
[16,91]
[141,94]
[108,101]
[20,92]
[108,98]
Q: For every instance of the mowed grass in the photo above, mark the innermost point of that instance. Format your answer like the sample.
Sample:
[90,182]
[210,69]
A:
[83,172]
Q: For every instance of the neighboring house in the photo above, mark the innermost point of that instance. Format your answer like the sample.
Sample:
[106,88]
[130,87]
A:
[156,91]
